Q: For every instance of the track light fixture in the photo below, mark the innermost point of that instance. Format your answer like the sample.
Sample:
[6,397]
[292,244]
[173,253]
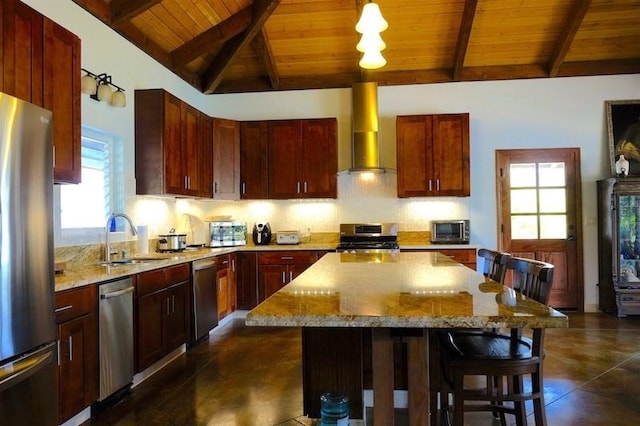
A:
[99,88]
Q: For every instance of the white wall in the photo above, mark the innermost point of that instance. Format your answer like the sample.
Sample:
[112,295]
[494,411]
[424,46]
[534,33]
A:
[560,112]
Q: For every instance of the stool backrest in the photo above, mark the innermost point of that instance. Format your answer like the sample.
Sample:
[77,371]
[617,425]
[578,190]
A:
[532,278]
[494,264]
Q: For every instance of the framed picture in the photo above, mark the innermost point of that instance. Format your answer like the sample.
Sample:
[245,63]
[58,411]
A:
[623,125]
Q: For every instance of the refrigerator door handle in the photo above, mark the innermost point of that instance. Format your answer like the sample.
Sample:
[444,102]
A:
[22,369]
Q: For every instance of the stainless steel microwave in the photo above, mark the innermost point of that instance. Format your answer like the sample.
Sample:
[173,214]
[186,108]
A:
[450,232]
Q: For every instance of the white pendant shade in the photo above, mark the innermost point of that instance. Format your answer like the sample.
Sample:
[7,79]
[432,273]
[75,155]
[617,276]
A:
[88,85]
[104,92]
[372,59]
[119,99]
[371,41]
[371,20]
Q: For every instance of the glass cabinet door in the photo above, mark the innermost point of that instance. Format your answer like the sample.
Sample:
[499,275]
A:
[629,238]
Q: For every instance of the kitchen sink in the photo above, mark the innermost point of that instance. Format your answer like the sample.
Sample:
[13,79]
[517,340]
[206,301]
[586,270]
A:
[131,261]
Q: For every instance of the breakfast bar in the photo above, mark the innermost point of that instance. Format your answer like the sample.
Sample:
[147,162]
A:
[391,294]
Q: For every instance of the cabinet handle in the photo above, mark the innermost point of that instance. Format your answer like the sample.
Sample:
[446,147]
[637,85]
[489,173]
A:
[438,185]
[286,257]
[243,189]
[233,265]
[70,348]
[64,308]
[167,306]
[58,348]
[225,262]
[189,181]
[298,187]
[290,276]
[305,186]
[283,277]
[185,183]
[173,304]
[429,184]
[54,156]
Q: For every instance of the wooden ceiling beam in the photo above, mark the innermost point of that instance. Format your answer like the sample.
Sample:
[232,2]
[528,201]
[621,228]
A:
[98,8]
[269,61]
[211,39]
[464,34]
[569,30]
[124,10]
[262,9]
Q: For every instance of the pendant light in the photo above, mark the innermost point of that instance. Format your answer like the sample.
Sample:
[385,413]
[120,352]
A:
[370,25]
[371,19]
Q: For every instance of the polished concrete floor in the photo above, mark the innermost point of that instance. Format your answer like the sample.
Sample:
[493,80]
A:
[252,376]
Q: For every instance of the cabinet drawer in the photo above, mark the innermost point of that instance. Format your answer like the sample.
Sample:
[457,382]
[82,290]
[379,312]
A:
[74,303]
[287,257]
[461,255]
[150,281]
[177,274]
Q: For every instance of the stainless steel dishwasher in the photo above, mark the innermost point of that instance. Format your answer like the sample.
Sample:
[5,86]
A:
[116,336]
[205,297]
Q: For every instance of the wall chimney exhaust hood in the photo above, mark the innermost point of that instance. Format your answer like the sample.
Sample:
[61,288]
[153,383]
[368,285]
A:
[365,153]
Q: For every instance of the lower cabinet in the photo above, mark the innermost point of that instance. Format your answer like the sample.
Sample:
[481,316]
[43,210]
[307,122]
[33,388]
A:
[226,284]
[162,313]
[246,280]
[277,269]
[76,319]
[465,256]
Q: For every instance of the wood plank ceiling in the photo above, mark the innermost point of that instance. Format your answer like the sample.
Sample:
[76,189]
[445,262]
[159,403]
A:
[231,46]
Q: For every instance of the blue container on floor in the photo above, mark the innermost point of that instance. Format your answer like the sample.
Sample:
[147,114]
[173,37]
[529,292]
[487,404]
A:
[334,409]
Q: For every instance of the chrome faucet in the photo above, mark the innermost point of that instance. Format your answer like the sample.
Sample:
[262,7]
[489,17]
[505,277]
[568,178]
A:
[107,247]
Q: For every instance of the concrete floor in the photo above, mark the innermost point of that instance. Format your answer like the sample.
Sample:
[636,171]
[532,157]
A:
[252,376]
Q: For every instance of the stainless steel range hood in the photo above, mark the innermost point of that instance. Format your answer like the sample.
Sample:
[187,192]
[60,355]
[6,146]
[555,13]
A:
[365,153]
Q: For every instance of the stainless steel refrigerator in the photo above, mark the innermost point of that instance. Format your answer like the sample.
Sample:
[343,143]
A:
[28,356]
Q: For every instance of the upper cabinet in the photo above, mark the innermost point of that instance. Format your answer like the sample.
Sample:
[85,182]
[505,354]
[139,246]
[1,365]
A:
[170,155]
[226,159]
[41,65]
[254,161]
[303,160]
[433,155]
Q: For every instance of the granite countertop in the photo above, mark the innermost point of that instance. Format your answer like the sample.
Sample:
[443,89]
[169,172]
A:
[407,289]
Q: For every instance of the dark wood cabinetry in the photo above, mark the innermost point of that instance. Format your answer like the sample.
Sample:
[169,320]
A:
[277,269]
[465,256]
[226,159]
[433,155]
[76,318]
[246,280]
[254,160]
[226,284]
[41,64]
[162,313]
[303,160]
[619,246]
[170,153]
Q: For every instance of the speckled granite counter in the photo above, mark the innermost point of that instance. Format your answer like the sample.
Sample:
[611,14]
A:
[421,290]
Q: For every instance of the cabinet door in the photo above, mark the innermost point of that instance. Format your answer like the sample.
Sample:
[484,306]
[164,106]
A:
[177,317]
[247,290]
[205,135]
[62,96]
[73,347]
[173,172]
[284,144]
[254,171]
[191,153]
[318,164]
[226,159]
[414,165]
[22,52]
[271,278]
[222,280]
[151,309]
[451,154]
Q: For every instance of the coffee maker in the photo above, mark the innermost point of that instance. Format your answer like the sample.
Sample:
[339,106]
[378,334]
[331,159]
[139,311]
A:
[261,233]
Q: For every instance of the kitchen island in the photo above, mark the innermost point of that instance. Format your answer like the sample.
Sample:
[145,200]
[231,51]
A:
[388,294]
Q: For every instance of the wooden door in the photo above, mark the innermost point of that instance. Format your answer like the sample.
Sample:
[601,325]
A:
[177,318]
[151,309]
[318,163]
[284,143]
[61,88]
[254,167]
[22,52]
[205,135]
[173,173]
[540,215]
[191,153]
[222,280]
[451,155]
[226,157]
[71,367]
[414,150]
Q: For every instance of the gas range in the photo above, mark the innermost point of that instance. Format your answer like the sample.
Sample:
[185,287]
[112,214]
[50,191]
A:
[368,238]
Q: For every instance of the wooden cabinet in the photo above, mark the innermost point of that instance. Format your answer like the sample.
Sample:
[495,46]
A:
[226,284]
[246,280]
[278,268]
[433,155]
[76,318]
[162,313]
[465,256]
[303,159]
[41,64]
[254,160]
[226,159]
[170,155]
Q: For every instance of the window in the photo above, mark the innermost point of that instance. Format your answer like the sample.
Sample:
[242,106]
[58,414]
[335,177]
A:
[83,208]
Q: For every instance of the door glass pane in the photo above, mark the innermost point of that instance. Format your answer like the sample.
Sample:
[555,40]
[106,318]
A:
[524,227]
[553,226]
[553,201]
[522,175]
[629,227]
[551,174]
[524,201]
